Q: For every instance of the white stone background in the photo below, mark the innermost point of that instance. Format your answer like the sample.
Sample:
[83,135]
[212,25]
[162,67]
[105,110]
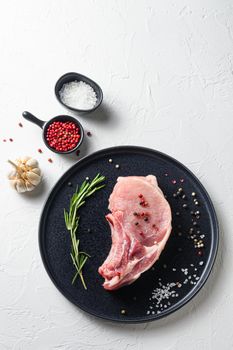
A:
[166,69]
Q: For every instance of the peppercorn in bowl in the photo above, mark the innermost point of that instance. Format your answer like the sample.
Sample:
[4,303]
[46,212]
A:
[61,134]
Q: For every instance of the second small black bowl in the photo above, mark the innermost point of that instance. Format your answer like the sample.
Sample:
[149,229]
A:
[60,118]
[72,76]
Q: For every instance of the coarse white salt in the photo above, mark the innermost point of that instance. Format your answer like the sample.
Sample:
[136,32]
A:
[79,95]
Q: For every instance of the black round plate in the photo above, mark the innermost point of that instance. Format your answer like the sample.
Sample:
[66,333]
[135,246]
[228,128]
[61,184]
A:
[182,268]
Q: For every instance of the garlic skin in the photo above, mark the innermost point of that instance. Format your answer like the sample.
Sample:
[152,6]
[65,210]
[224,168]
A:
[26,174]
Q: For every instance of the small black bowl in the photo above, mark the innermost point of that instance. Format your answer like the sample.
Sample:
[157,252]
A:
[70,77]
[44,126]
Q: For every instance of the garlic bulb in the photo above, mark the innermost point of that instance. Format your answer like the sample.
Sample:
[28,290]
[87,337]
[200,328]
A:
[26,175]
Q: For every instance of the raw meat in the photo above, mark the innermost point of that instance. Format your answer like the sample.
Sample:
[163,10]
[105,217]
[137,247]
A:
[140,225]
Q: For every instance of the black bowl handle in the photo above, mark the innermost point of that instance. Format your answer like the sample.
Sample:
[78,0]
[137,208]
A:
[33,119]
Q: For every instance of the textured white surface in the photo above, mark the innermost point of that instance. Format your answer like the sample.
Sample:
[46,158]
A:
[166,69]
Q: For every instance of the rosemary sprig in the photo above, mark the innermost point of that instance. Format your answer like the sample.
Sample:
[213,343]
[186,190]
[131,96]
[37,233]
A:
[71,217]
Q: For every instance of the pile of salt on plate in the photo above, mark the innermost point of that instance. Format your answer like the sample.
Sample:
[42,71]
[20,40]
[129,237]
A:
[78,94]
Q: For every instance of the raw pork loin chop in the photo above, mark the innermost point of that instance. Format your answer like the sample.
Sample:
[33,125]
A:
[140,226]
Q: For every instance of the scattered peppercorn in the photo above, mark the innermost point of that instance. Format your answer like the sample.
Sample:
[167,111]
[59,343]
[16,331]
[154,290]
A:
[39,150]
[50,160]
[11,140]
[89,134]
[143,203]
[146,219]
[136,223]
[135,214]
[4,140]
[21,125]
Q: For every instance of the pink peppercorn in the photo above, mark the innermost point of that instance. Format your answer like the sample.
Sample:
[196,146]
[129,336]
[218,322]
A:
[63,136]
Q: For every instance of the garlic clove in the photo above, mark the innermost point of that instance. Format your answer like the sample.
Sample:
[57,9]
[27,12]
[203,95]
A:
[29,186]
[33,178]
[32,163]
[13,183]
[36,171]
[20,186]
[12,175]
